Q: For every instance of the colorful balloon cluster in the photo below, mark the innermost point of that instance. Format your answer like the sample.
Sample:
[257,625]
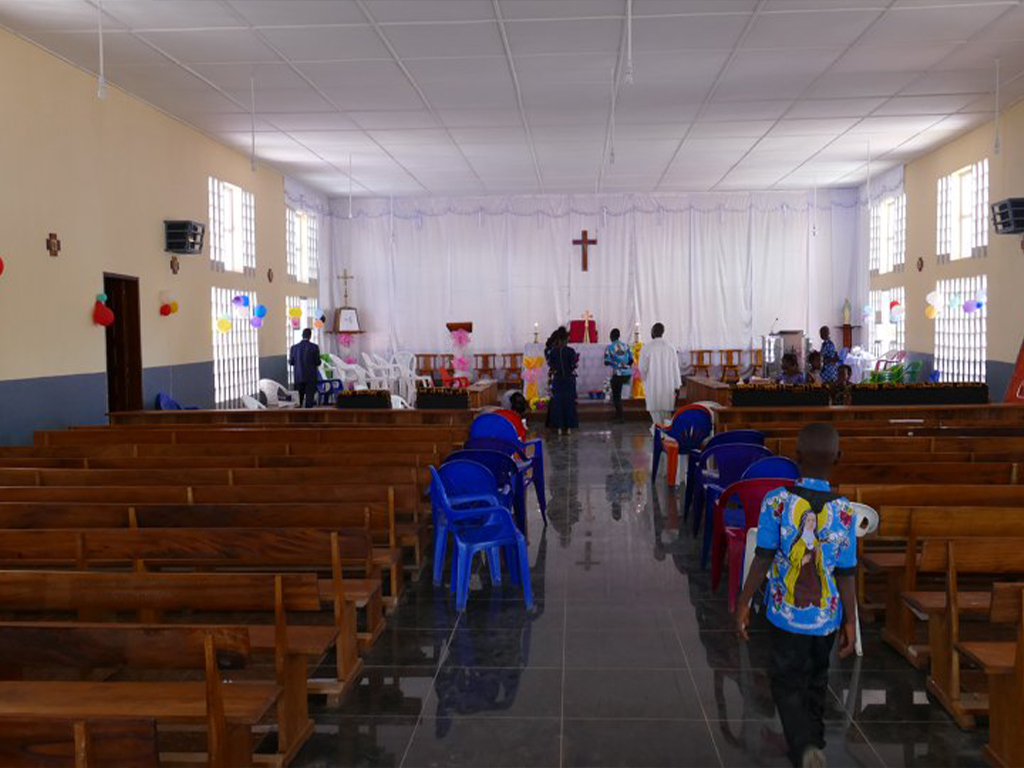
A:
[896,312]
[954,302]
[168,304]
[101,313]
[241,306]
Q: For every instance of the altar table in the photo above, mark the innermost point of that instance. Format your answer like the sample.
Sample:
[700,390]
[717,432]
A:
[591,374]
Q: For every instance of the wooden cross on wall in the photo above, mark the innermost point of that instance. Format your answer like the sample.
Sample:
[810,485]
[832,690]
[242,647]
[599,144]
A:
[584,241]
[53,244]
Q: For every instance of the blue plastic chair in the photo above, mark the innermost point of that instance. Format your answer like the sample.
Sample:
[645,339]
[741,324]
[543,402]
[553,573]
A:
[691,499]
[328,388]
[732,460]
[489,427]
[165,402]
[511,488]
[689,428]
[772,466]
[475,529]
[461,493]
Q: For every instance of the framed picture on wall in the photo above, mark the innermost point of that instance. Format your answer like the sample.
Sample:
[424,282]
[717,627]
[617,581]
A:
[346,320]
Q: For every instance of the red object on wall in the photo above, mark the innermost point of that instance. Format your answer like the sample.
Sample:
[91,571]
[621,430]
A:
[1015,392]
[165,309]
[102,314]
[582,334]
[1,266]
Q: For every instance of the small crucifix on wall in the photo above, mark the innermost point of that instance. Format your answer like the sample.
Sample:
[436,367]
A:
[584,240]
[53,244]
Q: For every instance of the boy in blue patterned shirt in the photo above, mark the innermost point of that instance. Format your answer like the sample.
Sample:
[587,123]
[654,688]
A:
[618,357]
[807,547]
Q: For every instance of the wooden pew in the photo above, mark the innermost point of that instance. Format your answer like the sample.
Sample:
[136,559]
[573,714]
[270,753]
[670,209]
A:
[954,557]
[899,567]
[93,595]
[935,495]
[1003,663]
[997,473]
[442,436]
[375,416]
[45,477]
[229,711]
[92,743]
[265,549]
[841,415]
[130,449]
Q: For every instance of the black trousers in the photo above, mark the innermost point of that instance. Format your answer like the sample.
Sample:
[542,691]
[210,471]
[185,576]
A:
[307,393]
[799,676]
[618,382]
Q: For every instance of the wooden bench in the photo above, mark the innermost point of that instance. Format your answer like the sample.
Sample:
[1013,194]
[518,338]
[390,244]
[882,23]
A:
[96,595]
[229,711]
[841,415]
[899,567]
[996,473]
[184,435]
[1003,663]
[92,743]
[942,611]
[283,448]
[372,416]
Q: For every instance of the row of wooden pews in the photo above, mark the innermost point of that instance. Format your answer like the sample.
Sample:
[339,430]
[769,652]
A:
[142,561]
[946,565]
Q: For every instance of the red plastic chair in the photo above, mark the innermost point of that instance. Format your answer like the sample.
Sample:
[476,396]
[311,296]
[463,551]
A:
[515,419]
[730,536]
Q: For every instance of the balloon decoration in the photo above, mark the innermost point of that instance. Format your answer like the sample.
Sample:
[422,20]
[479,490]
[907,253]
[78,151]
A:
[933,299]
[101,313]
[224,324]
[256,322]
[295,312]
[867,313]
[930,312]
[165,310]
[1,265]
[260,311]
[970,306]
[168,306]
[896,312]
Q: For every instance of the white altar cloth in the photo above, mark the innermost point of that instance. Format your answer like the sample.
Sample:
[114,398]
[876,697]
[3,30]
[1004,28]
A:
[591,374]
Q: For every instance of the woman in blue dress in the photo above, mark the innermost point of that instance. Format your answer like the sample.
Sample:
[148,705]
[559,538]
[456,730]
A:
[562,361]
[829,357]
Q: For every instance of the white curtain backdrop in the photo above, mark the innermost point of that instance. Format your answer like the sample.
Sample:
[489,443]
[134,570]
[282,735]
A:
[716,269]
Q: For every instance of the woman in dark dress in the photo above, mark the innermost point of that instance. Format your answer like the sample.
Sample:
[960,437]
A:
[562,361]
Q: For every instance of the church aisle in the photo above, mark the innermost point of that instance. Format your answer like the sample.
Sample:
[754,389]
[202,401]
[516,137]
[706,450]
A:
[627,660]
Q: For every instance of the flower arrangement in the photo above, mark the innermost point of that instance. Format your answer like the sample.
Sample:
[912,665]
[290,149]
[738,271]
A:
[460,337]
[345,339]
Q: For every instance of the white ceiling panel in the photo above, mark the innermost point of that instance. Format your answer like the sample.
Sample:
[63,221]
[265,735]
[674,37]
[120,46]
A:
[726,94]
[326,43]
[274,13]
[583,36]
[687,32]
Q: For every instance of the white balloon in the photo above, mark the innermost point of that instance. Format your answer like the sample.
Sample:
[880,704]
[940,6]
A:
[933,298]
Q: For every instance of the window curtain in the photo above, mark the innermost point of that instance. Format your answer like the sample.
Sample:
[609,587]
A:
[716,269]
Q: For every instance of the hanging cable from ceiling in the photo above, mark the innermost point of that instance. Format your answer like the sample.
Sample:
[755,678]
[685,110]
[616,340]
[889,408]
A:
[997,141]
[350,185]
[252,122]
[611,124]
[627,73]
[869,175]
[101,84]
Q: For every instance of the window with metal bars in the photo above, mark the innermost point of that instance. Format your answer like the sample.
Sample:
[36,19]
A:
[232,231]
[293,330]
[961,337]
[962,215]
[301,242]
[885,335]
[236,356]
[888,235]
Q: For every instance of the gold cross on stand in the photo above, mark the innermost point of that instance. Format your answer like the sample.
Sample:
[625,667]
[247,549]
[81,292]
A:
[345,276]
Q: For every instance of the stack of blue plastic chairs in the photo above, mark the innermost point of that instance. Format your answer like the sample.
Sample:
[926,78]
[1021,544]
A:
[470,507]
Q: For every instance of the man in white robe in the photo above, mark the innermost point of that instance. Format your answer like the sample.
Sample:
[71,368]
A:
[659,369]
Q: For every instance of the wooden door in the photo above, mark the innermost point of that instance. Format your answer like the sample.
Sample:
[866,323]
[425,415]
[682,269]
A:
[124,344]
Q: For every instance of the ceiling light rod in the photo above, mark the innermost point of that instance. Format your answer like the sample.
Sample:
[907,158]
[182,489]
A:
[350,185]
[101,84]
[869,174]
[252,147]
[627,75]
[997,143]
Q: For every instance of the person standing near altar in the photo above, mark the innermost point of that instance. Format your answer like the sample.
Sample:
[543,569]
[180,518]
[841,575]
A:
[659,369]
[562,361]
[618,357]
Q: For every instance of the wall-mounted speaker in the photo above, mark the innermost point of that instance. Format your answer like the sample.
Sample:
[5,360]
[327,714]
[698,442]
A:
[184,237]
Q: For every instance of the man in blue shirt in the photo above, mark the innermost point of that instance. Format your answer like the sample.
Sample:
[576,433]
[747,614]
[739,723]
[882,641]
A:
[807,547]
[618,357]
[304,358]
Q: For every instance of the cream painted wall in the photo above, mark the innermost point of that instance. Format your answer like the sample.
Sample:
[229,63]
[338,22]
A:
[1004,264]
[103,175]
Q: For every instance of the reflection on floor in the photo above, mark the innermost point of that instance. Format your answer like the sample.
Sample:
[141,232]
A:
[627,660]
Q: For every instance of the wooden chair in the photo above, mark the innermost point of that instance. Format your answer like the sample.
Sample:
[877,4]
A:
[757,361]
[1003,663]
[512,370]
[731,361]
[425,365]
[484,363]
[701,361]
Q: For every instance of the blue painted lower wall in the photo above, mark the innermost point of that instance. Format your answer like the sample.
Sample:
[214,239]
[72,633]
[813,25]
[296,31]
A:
[57,402]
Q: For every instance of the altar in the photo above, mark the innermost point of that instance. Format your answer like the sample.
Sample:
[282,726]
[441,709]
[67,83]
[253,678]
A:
[591,374]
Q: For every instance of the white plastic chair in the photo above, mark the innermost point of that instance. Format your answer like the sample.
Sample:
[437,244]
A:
[251,403]
[399,403]
[406,362]
[273,391]
[380,372]
[867,522]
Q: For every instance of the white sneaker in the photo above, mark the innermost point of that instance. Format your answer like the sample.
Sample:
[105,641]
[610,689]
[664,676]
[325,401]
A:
[813,758]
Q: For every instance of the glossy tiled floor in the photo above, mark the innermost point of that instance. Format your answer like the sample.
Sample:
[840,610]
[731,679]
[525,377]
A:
[627,660]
